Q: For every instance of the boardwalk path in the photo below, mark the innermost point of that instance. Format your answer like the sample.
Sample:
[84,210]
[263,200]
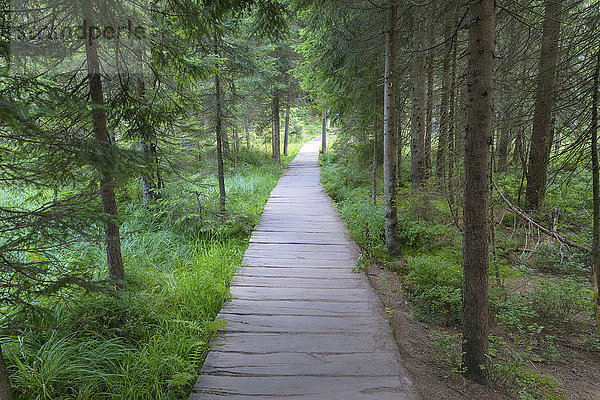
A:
[301,324]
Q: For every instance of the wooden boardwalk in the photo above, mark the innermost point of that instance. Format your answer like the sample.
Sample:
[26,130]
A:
[301,324]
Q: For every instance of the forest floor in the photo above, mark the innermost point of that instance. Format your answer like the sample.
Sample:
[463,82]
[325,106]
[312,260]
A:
[577,371]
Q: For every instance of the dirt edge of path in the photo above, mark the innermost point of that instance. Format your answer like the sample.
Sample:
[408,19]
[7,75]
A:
[431,380]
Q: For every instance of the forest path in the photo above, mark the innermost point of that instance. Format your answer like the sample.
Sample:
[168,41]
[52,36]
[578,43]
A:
[300,323]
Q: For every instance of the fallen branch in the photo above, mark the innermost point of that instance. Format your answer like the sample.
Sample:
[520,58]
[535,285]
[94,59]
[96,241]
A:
[523,215]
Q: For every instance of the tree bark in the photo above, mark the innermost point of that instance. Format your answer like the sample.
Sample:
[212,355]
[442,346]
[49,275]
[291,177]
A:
[417,126]
[276,128]
[544,102]
[430,103]
[219,134]
[596,195]
[389,132]
[324,132]
[5,389]
[399,150]
[452,124]
[116,271]
[442,150]
[286,130]
[475,211]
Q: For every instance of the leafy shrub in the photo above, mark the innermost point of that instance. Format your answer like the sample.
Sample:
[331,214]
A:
[447,349]
[556,302]
[434,283]
[511,368]
[561,261]
[418,233]
[512,311]
[552,304]
[365,223]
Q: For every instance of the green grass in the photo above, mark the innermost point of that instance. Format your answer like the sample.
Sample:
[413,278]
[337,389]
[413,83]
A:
[149,341]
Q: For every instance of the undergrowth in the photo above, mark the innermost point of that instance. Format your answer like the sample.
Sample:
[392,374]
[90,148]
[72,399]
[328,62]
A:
[150,340]
[529,309]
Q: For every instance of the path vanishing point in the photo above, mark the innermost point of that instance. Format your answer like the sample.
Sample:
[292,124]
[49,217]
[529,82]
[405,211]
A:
[300,324]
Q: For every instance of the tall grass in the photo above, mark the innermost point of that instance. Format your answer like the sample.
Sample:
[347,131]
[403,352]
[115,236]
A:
[149,341]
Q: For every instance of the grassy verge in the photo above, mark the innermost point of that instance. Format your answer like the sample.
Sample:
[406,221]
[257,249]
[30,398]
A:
[149,341]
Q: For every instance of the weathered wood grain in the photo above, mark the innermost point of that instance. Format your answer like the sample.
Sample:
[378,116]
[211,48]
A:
[300,323]
[288,307]
[291,385]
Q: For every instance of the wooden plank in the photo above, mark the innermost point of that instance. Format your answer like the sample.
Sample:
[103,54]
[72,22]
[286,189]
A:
[288,307]
[276,252]
[303,248]
[297,385]
[314,294]
[330,396]
[320,255]
[289,364]
[297,238]
[303,324]
[269,343]
[256,261]
[299,282]
[297,272]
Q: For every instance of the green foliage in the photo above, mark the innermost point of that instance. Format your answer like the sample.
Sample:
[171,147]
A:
[447,350]
[418,233]
[512,368]
[365,223]
[557,259]
[558,301]
[508,367]
[148,341]
[48,366]
[434,283]
[548,304]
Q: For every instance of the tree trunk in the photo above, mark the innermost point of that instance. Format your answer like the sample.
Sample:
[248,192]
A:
[442,151]
[475,212]
[389,132]
[596,195]
[430,103]
[5,390]
[276,130]
[247,129]
[116,271]
[286,130]
[452,124]
[324,132]
[399,150]
[219,133]
[544,102]
[417,126]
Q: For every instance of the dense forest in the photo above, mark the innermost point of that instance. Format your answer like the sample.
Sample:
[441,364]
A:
[139,142]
